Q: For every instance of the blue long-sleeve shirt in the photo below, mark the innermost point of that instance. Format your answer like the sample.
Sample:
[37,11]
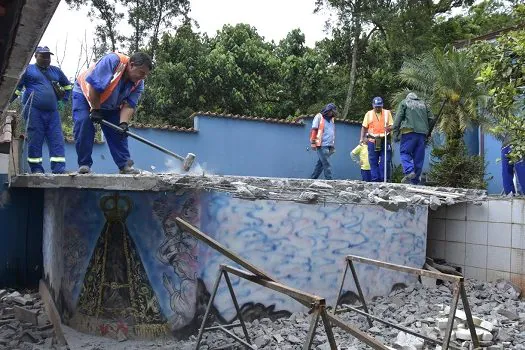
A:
[34,80]
[100,78]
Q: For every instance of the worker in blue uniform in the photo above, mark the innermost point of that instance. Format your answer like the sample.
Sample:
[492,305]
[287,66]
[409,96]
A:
[109,90]
[46,90]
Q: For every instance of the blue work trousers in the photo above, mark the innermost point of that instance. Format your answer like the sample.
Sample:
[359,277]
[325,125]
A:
[366,175]
[323,163]
[45,126]
[84,131]
[412,154]
[377,161]
[507,172]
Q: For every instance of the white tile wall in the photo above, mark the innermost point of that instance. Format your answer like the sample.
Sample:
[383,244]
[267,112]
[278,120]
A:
[457,212]
[436,229]
[518,211]
[517,261]
[518,236]
[478,212]
[477,232]
[493,275]
[498,258]
[455,231]
[500,211]
[436,249]
[441,213]
[476,273]
[455,253]
[476,255]
[499,234]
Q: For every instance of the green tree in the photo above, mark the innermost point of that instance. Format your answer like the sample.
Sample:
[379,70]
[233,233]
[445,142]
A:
[447,81]
[503,76]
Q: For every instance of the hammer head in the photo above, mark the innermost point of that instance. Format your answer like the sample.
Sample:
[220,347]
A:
[188,161]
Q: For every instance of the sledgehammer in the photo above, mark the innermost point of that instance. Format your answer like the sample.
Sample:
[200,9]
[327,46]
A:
[186,162]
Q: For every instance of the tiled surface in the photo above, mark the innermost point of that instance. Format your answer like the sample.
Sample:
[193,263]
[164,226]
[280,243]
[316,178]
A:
[476,273]
[499,234]
[517,261]
[477,232]
[478,212]
[455,253]
[436,229]
[441,213]
[455,231]
[436,249]
[476,255]
[498,258]
[518,236]
[493,275]
[500,211]
[518,211]
[457,212]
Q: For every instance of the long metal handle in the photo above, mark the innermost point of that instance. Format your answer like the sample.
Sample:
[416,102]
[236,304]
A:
[141,139]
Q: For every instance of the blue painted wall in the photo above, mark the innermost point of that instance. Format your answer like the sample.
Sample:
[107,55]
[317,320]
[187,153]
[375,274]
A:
[20,235]
[226,146]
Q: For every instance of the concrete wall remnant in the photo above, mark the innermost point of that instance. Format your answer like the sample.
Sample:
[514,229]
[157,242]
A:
[125,266]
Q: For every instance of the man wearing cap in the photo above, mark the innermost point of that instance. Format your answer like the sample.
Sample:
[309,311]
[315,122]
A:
[373,133]
[413,122]
[108,90]
[322,139]
[46,90]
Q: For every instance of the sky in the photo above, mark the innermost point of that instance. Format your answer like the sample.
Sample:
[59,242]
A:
[274,19]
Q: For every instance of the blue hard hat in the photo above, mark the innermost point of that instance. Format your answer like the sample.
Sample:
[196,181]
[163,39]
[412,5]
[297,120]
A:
[43,49]
[329,107]
[377,102]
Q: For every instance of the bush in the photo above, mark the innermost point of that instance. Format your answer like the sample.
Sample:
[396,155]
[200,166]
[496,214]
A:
[451,166]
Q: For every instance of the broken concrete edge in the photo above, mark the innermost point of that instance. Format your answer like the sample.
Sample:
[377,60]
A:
[391,196]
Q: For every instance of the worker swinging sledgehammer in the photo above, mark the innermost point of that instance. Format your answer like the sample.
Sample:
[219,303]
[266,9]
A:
[109,90]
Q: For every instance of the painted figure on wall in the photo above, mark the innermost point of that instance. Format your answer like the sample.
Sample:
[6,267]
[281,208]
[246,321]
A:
[179,250]
[116,287]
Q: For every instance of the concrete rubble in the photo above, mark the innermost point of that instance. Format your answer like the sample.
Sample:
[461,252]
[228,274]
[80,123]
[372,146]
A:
[390,196]
[498,313]
[24,324]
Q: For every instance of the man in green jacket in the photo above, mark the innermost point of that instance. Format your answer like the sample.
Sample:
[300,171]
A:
[412,123]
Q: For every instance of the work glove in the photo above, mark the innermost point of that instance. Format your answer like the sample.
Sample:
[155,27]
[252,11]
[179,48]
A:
[96,116]
[125,127]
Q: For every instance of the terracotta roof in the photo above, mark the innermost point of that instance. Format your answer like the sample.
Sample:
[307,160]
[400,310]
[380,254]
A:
[458,44]
[344,121]
[161,127]
[246,117]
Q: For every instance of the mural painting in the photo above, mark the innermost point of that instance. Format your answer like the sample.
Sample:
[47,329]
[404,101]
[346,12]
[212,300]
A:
[127,267]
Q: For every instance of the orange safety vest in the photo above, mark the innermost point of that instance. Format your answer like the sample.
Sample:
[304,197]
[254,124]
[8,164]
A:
[376,127]
[117,75]
[319,137]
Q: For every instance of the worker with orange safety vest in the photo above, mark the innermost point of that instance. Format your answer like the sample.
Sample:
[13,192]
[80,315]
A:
[373,133]
[322,139]
[108,90]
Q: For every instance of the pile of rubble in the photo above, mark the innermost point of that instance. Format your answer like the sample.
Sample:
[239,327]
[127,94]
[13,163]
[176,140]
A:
[24,324]
[499,315]
[498,312]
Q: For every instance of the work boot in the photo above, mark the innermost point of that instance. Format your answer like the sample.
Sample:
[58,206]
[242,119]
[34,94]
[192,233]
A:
[129,169]
[84,169]
[408,178]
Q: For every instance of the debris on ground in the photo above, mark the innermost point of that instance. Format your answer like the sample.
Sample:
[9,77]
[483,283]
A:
[498,313]
[23,322]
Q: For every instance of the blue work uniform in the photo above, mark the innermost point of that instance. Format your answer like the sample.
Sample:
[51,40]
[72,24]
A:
[84,130]
[508,169]
[41,115]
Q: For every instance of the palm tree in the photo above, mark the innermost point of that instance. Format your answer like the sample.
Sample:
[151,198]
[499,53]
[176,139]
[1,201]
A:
[447,81]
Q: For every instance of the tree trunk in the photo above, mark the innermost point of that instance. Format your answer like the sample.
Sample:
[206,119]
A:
[353,69]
